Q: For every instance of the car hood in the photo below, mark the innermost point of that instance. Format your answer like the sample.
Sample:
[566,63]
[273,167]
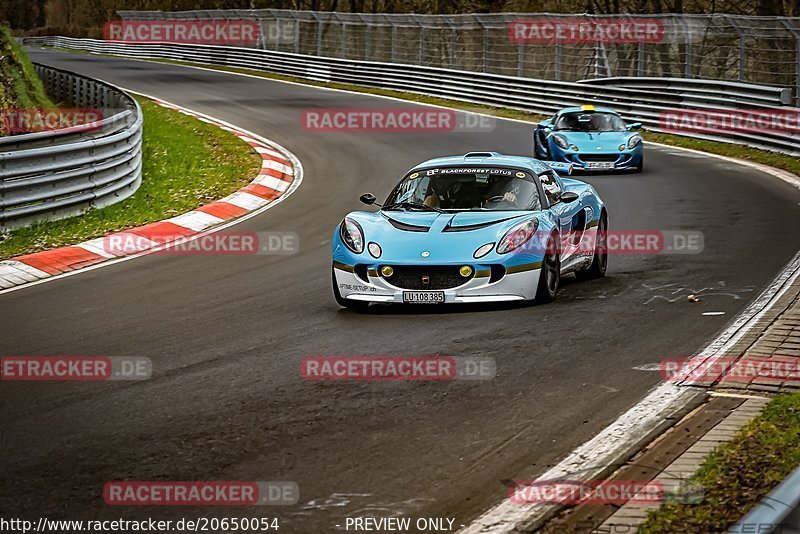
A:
[596,141]
[447,237]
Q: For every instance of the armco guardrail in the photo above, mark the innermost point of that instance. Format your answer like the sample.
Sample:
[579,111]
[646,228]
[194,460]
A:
[644,105]
[778,512]
[59,173]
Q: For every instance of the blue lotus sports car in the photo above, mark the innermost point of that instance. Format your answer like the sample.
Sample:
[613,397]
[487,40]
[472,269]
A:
[483,227]
[592,139]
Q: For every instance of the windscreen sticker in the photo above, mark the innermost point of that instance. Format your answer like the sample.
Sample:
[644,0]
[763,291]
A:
[470,170]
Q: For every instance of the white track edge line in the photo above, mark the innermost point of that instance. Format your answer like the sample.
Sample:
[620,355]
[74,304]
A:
[638,421]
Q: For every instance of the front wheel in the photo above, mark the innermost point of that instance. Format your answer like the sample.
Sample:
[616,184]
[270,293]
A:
[355,305]
[640,167]
[600,260]
[550,275]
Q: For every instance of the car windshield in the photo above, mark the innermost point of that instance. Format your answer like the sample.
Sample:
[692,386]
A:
[448,188]
[590,122]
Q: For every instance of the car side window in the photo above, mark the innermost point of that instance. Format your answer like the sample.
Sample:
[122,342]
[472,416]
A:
[552,189]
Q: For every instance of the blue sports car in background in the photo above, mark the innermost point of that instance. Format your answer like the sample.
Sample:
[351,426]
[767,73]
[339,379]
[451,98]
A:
[484,227]
[592,139]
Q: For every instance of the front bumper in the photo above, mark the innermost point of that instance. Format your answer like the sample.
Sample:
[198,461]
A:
[518,283]
[624,160]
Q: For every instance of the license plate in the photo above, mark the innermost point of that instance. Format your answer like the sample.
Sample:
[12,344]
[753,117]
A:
[600,165]
[423,297]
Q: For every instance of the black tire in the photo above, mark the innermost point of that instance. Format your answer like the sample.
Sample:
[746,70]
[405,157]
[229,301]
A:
[600,261]
[640,168]
[550,275]
[539,151]
[355,305]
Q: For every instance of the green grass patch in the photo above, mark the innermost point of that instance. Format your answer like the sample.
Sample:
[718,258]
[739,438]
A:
[20,86]
[738,474]
[186,163]
[773,159]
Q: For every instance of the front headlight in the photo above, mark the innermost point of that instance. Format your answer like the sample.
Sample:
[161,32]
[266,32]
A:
[352,235]
[518,236]
[483,250]
[634,140]
[374,249]
[561,141]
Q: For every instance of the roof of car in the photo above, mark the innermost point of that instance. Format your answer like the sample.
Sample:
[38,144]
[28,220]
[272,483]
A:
[578,109]
[492,159]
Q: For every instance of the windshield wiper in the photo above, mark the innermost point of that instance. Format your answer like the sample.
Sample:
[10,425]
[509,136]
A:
[413,205]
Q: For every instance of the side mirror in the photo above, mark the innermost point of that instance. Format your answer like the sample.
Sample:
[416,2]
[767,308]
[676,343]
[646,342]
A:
[568,197]
[367,198]
[634,126]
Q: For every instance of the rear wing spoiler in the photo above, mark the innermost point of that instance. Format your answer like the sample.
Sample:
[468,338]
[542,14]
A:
[561,167]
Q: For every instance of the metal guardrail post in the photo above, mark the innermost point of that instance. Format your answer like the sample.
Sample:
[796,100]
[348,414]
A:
[485,47]
[796,34]
[742,45]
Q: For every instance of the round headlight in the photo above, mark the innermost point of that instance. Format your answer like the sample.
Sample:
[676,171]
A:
[560,141]
[634,140]
[352,235]
[374,249]
[517,236]
[483,250]
[387,271]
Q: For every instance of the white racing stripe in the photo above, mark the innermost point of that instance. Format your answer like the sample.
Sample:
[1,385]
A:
[195,220]
[14,273]
[272,182]
[277,166]
[245,200]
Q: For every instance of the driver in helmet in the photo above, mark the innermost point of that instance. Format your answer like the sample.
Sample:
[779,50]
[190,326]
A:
[502,190]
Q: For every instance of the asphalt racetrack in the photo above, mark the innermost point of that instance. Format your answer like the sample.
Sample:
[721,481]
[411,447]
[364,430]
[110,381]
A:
[226,334]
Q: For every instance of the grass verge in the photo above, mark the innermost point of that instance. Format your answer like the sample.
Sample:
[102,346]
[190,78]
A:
[20,86]
[773,159]
[186,163]
[738,474]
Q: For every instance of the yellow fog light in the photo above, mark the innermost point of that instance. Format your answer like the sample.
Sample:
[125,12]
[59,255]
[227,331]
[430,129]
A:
[387,271]
[465,271]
